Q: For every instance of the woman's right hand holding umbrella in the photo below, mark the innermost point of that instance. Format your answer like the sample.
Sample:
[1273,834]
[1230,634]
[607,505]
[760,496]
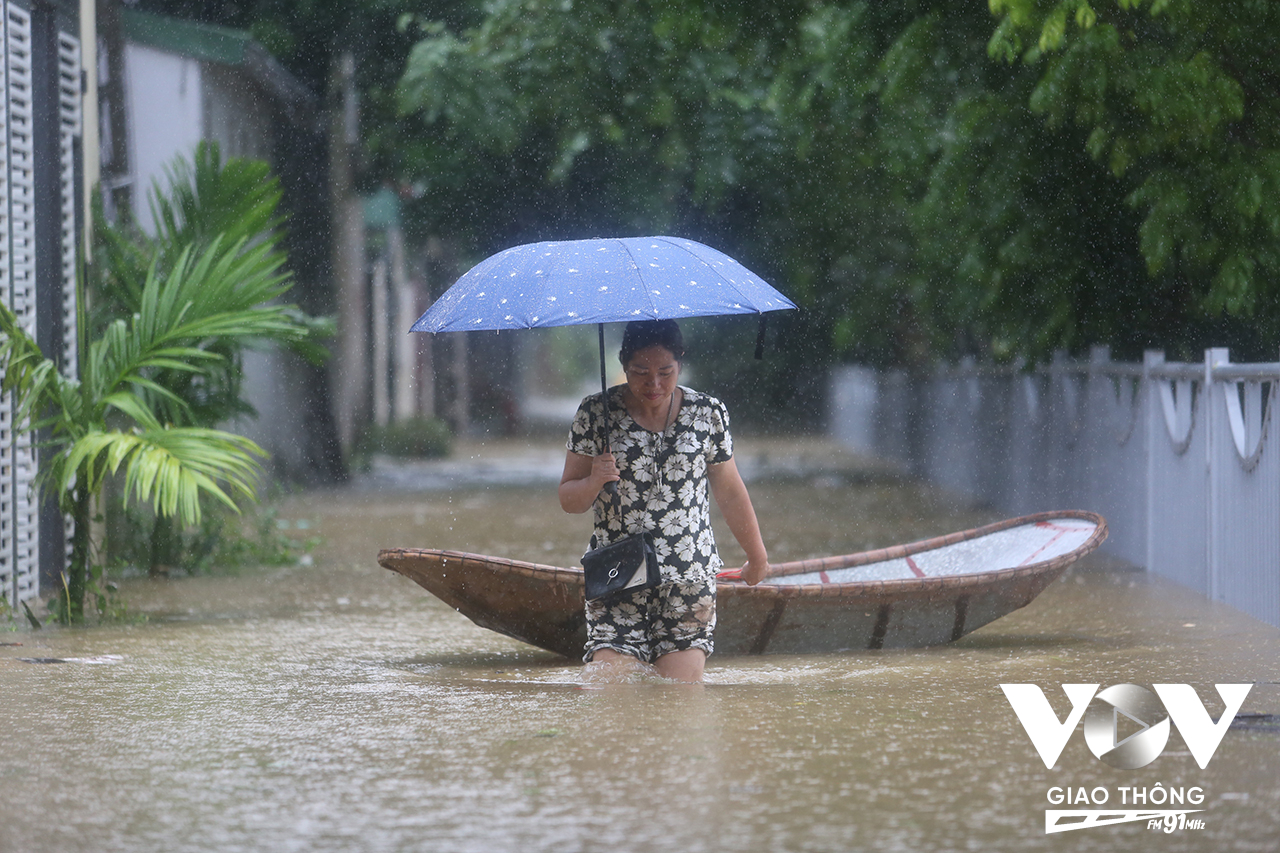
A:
[584,477]
[604,470]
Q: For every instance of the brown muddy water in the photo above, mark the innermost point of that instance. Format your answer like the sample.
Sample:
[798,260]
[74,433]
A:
[338,707]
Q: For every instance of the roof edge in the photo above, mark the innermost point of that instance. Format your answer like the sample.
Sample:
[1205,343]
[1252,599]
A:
[229,47]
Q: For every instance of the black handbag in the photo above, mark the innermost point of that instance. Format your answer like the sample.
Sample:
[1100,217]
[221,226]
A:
[631,562]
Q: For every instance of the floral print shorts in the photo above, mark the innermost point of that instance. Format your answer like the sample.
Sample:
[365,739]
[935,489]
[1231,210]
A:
[649,623]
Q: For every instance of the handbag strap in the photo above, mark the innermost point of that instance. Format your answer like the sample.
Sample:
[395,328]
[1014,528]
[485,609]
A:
[659,458]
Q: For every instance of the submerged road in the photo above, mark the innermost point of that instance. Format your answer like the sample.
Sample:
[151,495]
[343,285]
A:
[338,707]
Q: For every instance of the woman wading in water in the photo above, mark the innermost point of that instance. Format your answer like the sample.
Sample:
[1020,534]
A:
[670,452]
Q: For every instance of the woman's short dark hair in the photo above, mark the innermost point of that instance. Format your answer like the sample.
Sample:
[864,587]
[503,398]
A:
[641,334]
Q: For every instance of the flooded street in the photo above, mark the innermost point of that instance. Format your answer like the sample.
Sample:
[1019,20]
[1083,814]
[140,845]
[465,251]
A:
[339,707]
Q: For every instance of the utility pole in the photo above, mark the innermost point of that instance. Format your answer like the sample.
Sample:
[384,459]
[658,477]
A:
[406,312]
[351,366]
[381,349]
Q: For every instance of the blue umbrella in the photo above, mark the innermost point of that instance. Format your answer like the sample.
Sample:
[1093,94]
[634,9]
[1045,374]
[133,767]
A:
[576,282]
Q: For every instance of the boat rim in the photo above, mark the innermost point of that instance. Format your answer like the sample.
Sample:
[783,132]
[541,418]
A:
[833,589]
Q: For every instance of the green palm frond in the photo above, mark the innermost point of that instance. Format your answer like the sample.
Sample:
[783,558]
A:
[164,362]
[199,201]
[192,320]
[123,253]
[170,467]
[207,197]
[38,386]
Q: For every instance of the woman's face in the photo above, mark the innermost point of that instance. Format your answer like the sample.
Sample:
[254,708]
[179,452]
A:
[652,373]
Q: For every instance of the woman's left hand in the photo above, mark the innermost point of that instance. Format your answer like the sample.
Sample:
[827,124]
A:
[754,571]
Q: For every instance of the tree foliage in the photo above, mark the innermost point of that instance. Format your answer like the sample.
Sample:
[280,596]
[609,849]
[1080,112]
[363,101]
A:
[161,370]
[925,178]
[228,212]
[1180,101]
[113,415]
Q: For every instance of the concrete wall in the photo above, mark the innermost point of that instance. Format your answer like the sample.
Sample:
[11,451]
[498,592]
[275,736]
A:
[1182,459]
[165,109]
[236,114]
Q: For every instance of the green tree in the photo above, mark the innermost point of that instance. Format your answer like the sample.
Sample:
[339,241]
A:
[925,178]
[162,370]
[1019,243]
[915,190]
[204,201]
[104,421]
[1177,102]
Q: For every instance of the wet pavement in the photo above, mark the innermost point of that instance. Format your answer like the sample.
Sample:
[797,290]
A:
[339,707]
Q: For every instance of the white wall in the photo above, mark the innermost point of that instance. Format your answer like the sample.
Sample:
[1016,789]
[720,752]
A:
[165,115]
[855,395]
[1180,458]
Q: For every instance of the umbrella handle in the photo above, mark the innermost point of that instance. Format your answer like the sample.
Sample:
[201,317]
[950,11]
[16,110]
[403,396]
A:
[604,383]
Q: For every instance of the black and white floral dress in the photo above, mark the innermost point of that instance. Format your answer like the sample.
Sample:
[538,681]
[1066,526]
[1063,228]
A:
[671,502]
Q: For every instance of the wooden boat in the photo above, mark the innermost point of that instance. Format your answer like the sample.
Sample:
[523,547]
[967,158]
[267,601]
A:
[925,593]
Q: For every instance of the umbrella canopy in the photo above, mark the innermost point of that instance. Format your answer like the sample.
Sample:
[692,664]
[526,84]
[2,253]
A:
[577,282]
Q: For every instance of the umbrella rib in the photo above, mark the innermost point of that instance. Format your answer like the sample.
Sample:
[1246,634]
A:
[644,288]
[734,287]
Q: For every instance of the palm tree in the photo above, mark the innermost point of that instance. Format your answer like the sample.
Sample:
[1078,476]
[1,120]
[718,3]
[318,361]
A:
[205,199]
[117,417]
[234,202]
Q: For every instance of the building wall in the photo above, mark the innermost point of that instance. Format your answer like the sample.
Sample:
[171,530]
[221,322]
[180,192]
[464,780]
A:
[165,109]
[1181,459]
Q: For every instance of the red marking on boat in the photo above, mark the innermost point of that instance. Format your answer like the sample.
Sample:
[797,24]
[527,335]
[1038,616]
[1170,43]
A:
[823,577]
[915,570]
[1040,550]
[1051,526]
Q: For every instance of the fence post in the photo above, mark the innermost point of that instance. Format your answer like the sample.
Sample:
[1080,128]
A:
[1094,488]
[1214,396]
[1151,358]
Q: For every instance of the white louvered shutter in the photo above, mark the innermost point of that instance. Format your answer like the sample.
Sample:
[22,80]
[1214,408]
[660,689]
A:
[21,268]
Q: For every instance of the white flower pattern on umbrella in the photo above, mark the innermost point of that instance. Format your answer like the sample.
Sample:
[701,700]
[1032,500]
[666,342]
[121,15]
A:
[574,282]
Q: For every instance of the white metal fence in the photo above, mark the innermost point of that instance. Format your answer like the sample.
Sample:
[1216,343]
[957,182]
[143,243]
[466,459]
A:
[1181,458]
